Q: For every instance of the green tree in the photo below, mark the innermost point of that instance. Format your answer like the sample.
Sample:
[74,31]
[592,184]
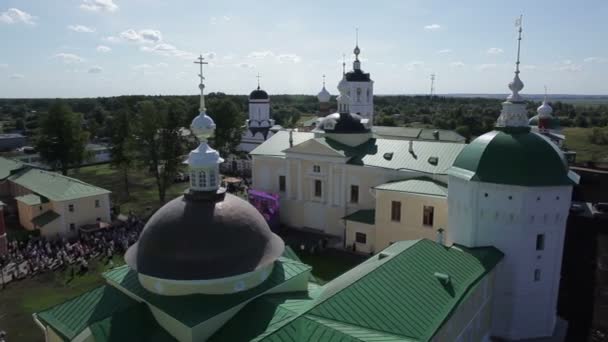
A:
[61,140]
[123,144]
[159,142]
[229,120]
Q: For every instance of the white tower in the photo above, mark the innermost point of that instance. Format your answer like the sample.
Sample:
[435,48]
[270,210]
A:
[511,188]
[203,161]
[259,123]
[360,88]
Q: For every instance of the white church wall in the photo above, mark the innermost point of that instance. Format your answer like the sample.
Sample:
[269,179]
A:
[510,218]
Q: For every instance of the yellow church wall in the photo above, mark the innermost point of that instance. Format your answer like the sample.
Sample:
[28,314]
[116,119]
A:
[411,225]
[52,336]
[85,336]
[472,319]
[352,228]
[28,212]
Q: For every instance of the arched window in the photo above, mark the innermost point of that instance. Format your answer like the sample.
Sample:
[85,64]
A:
[202,179]
[358,94]
[192,179]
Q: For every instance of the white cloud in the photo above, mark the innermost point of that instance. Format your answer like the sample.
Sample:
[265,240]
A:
[432,27]
[111,39]
[3,65]
[16,76]
[568,65]
[414,65]
[457,64]
[215,20]
[484,67]
[289,58]
[495,51]
[99,5]
[260,54]
[149,66]
[15,16]
[69,57]
[165,49]
[81,28]
[596,60]
[141,36]
[246,65]
[95,69]
[103,48]
[445,51]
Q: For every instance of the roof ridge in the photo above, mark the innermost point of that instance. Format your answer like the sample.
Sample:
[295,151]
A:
[317,319]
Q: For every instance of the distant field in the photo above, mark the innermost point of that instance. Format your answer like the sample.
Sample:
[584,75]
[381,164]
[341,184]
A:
[577,139]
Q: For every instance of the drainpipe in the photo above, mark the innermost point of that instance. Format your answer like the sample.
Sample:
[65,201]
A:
[40,325]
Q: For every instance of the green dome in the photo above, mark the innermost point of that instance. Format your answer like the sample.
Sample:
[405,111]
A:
[512,156]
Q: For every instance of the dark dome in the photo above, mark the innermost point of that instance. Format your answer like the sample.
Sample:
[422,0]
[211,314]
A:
[258,94]
[204,239]
[342,123]
[357,75]
[513,156]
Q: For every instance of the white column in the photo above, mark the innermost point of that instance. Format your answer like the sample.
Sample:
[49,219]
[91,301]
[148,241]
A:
[299,180]
[330,183]
[287,178]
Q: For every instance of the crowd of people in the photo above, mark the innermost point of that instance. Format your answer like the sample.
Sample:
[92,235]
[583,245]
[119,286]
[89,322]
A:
[38,254]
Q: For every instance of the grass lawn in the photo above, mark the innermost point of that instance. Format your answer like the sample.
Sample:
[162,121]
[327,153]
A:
[142,187]
[577,139]
[19,300]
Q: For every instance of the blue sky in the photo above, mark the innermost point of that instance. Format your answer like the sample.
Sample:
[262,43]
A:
[82,48]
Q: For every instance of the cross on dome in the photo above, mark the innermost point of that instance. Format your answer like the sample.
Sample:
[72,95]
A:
[258,77]
[200,61]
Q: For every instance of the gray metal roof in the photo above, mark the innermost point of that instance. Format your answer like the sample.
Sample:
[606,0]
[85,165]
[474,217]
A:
[423,186]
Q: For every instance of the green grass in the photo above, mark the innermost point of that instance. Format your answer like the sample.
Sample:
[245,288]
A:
[143,192]
[19,300]
[577,139]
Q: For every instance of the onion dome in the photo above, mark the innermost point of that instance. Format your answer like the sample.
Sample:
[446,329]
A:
[205,241]
[202,238]
[515,158]
[512,154]
[258,94]
[324,96]
[544,109]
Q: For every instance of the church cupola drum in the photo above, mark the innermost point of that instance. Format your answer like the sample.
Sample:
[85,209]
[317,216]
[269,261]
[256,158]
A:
[206,241]
[360,88]
[259,126]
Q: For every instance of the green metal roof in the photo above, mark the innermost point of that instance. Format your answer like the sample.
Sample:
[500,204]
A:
[367,216]
[29,199]
[54,186]
[384,153]
[45,218]
[7,166]
[72,317]
[422,186]
[133,324]
[280,141]
[517,157]
[389,132]
[399,294]
[194,309]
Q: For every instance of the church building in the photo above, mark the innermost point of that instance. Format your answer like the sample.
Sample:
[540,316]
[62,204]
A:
[259,126]
[207,267]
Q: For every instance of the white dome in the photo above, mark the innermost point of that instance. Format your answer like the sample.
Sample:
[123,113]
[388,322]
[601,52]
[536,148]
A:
[202,126]
[544,109]
[323,95]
